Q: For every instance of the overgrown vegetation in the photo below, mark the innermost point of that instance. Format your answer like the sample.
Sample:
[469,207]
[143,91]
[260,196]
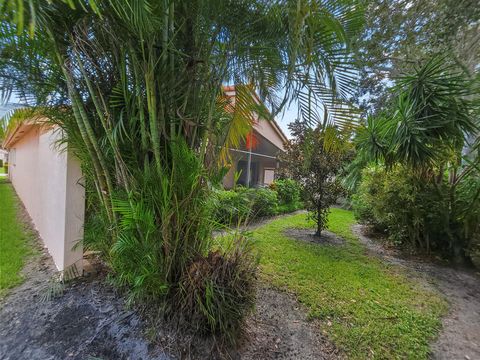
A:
[289,194]
[217,291]
[417,214]
[426,192]
[138,93]
[368,309]
[13,239]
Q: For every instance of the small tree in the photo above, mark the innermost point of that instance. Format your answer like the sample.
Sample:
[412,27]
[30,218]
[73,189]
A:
[315,157]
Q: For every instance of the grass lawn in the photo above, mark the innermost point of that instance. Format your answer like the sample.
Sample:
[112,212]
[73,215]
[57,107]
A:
[368,309]
[2,170]
[13,239]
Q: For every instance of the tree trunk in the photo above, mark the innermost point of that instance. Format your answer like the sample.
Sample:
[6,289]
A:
[319,221]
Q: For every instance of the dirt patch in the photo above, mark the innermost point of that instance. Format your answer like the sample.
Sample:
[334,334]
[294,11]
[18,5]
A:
[307,235]
[460,335]
[280,330]
[89,320]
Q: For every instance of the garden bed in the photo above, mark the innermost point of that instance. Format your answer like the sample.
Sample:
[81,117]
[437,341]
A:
[308,235]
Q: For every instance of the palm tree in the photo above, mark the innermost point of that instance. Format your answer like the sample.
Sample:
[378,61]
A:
[137,87]
[436,111]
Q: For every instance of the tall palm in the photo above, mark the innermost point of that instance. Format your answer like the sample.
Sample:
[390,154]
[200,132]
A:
[142,81]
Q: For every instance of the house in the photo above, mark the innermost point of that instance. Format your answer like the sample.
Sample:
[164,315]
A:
[47,179]
[255,162]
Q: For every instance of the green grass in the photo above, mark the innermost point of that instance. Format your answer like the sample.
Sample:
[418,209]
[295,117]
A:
[13,239]
[368,309]
[2,170]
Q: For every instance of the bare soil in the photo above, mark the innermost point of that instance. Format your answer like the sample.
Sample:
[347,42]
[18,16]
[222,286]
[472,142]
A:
[460,336]
[280,330]
[88,321]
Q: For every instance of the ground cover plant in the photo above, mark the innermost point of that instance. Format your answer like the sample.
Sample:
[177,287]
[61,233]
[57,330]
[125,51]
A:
[368,309]
[13,239]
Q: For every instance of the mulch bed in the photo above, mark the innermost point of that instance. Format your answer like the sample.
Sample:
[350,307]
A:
[327,238]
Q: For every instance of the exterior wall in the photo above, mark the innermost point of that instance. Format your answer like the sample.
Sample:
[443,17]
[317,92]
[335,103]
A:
[47,181]
[266,129]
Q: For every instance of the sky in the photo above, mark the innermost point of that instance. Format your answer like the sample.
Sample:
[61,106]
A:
[285,118]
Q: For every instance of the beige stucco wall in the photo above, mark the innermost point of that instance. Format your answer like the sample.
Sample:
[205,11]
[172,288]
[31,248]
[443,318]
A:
[266,129]
[47,181]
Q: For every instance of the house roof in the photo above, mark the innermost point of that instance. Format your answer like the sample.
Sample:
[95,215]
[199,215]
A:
[267,128]
[16,132]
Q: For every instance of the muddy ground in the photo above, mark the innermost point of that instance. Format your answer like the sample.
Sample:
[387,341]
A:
[460,336]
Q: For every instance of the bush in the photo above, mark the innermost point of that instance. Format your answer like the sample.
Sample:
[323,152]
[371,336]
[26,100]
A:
[230,206]
[419,214]
[233,206]
[364,201]
[217,291]
[263,202]
[288,191]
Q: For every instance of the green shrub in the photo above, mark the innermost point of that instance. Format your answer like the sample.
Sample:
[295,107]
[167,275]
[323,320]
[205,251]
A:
[288,208]
[230,206]
[423,215]
[288,191]
[365,202]
[234,206]
[263,202]
[1,163]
